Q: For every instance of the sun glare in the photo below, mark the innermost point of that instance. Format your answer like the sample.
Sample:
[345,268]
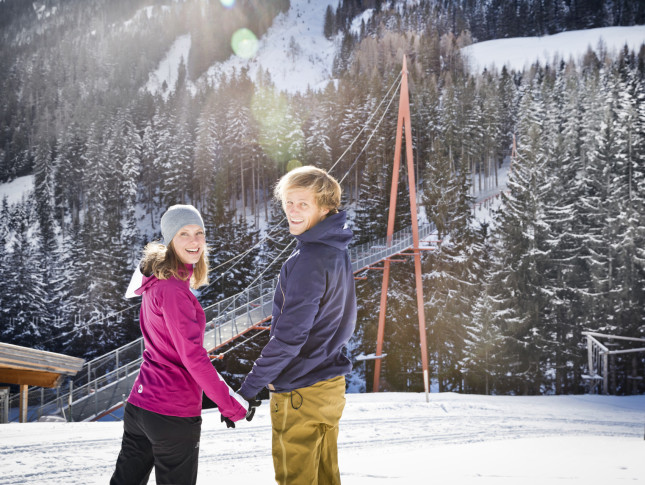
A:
[228,3]
[244,43]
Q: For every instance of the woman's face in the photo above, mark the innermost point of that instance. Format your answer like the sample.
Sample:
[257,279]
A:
[189,243]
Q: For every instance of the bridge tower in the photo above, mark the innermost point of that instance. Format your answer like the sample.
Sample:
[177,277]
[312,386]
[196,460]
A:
[403,123]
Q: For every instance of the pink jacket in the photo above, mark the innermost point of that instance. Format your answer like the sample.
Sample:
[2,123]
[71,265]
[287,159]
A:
[176,367]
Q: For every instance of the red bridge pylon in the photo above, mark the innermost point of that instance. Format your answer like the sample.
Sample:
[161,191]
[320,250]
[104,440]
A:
[403,122]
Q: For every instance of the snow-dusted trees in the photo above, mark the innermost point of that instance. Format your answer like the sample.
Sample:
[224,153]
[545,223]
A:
[504,309]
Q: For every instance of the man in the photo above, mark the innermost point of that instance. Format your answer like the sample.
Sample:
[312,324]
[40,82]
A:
[314,314]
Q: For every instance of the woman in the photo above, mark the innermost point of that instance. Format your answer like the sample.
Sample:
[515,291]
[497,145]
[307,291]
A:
[162,418]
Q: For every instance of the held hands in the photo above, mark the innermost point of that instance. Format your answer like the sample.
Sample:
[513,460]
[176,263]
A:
[253,403]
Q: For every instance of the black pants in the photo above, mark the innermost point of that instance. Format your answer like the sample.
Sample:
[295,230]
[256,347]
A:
[169,443]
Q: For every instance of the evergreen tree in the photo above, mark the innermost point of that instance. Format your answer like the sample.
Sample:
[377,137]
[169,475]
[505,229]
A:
[370,216]
[26,298]
[449,271]
[522,239]
[329,27]
[46,246]
[483,336]
[562,327]
[69,166]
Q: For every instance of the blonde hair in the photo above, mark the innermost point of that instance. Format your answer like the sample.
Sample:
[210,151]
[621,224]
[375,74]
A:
[325,188]
[164,263]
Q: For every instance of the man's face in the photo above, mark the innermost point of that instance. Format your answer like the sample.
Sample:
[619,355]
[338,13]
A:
[302,211]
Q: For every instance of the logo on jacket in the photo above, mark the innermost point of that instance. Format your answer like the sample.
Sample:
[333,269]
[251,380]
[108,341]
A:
[140,389]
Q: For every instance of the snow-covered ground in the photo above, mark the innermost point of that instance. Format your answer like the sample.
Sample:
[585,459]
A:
[520,52]
[17,189]
[294,50]
[388,438]
[168,71]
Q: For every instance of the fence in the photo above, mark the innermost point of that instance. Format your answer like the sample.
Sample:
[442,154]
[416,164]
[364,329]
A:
[598,355]
[105,381]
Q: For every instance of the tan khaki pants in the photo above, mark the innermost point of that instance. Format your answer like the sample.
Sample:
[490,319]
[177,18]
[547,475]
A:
[305,433]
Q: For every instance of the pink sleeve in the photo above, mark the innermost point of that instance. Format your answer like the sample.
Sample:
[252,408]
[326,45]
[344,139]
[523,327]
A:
[187,336]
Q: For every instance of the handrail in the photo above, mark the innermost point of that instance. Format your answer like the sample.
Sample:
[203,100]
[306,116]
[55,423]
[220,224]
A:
[614,337]
[239,311]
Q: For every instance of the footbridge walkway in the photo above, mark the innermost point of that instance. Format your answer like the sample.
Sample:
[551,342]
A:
[103,383]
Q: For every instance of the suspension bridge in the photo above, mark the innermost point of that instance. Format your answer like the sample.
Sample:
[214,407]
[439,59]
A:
[103,384]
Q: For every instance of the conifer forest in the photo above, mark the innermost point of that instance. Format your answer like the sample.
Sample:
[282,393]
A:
[505,300]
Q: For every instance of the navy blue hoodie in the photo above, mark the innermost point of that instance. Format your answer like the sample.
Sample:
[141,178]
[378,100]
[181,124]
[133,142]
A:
[314,313]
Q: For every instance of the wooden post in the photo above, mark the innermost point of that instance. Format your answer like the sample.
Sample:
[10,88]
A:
[592,370]
[24,395]
[605,373]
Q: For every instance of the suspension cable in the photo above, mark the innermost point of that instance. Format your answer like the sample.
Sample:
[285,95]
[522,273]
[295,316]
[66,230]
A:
[397,83]
[368,121]
[371,135]
[239,257]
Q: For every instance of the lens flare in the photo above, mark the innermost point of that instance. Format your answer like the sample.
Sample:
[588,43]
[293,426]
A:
[227,3]
[293,164]
[244,43]
[280,135]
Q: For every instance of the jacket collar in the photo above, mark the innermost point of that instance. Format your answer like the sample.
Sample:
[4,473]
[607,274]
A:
[331,230]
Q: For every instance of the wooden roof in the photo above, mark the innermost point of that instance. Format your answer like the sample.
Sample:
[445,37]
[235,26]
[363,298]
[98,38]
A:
[25,366]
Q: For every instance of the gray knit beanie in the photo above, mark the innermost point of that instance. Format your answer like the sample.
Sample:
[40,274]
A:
[177,217]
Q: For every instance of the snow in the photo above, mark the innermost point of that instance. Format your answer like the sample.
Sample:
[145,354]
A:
[298,56]
[169,66]
[294,50]
[520,52]
[389,438]
[17,189]
[355,28]
[145,12]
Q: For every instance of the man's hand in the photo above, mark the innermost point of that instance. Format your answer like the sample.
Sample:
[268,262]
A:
[253,403]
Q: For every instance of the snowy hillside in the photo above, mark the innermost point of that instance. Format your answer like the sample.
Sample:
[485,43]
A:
[519,53]
[388,438]
[15,190]
[294,50]
[298,56]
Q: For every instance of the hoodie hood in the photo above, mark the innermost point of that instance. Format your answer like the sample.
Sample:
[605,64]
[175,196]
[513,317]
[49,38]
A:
[139,282]
[332,230]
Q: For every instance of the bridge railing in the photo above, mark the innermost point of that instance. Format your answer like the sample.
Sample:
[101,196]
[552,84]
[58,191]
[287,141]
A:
[374,251]
[108,377]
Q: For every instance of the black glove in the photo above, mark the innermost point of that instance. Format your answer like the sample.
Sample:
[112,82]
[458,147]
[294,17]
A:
[229,423]
[253,403]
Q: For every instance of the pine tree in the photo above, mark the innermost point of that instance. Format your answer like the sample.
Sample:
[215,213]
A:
[522,239]
[630,200]
[47,246]
[104,256]
[149,174]
[26,298]
[565,268]
[370,220]
[449,271]
[329,27]
[69,166]
[4,264]
[483,339]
